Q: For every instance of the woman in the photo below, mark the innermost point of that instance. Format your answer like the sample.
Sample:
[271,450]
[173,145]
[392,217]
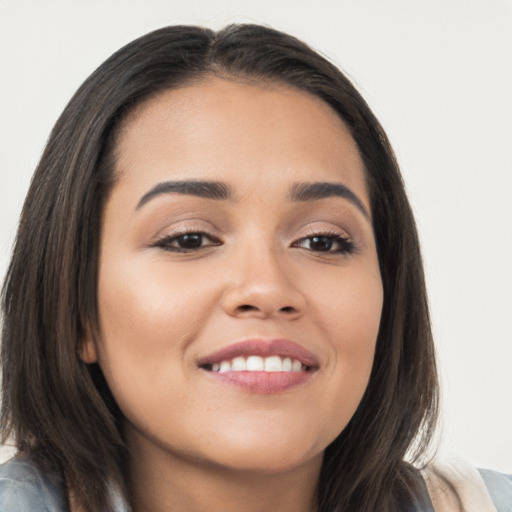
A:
[222,293]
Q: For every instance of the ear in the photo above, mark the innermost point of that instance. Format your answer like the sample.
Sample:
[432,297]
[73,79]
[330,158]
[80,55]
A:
[87,351]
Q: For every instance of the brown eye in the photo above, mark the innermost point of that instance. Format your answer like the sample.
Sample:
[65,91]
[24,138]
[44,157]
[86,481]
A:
[187,242]
[333,244]
[321,243]
[190,241]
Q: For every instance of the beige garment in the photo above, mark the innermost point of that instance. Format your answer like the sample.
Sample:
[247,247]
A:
[456,486]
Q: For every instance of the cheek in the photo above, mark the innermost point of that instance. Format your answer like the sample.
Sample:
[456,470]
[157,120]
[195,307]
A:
[147,320]
[350,317]
[148,307]
[350,310]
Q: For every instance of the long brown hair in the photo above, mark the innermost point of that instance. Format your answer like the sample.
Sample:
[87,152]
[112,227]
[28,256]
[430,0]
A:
[60,410]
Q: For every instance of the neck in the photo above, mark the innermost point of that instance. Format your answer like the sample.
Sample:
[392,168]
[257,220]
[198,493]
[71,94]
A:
[162,482]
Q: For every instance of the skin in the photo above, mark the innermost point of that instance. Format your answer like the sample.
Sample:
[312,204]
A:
[196,443]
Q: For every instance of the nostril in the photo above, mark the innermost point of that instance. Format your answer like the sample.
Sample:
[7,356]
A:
[247,307]
[264,310]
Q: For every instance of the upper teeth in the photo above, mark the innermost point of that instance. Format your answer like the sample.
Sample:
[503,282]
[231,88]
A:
[258,364]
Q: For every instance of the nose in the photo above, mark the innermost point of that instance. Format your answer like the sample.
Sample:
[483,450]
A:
[262,286]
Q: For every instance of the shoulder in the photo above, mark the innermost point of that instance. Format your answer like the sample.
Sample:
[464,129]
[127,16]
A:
[456,485]
[24,488]
[499,487]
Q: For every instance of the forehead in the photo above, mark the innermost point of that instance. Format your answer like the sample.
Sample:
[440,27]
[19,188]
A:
[237,132]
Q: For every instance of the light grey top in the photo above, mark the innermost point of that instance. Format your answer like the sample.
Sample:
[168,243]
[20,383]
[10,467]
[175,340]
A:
[24,488]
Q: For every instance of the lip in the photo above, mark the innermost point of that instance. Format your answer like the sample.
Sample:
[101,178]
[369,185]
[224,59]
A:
[260,381]
[263,348]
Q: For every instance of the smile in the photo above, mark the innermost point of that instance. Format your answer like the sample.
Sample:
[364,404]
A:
[255,363]
[261,366]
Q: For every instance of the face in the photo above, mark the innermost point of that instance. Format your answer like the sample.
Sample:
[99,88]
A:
[239,288]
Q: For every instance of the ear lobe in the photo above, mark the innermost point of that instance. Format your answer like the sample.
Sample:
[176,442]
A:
[87,351]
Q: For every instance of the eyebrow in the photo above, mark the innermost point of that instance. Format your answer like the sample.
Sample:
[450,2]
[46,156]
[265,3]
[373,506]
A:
[206,189]
[322,190]
[299,192]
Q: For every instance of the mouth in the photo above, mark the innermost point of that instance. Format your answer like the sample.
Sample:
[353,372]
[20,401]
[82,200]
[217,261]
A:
[262,366]
[254,363]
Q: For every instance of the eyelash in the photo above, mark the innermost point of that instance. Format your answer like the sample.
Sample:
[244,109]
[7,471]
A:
[345,245]
[169,243]
[166,242]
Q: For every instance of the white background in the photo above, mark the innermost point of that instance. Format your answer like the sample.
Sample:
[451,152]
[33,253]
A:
[437,73]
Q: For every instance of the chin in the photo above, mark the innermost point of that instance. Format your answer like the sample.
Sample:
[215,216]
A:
[268,461]
[269,453]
